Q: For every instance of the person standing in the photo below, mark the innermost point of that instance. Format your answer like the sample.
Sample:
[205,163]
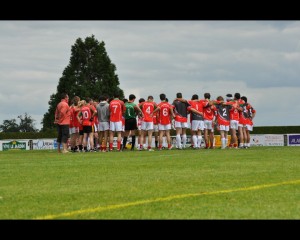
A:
[181,116]
[147,108]
[62,119]
[117,110]
[103,118]
[130,120]
[165,113]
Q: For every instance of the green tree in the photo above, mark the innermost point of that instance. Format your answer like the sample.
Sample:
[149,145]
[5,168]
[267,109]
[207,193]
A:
[9,126]
[89,73]
[26,124]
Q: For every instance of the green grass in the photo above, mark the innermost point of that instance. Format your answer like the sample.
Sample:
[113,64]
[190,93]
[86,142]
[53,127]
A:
[152,185]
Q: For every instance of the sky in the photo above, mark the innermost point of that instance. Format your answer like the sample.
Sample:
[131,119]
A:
[258,59]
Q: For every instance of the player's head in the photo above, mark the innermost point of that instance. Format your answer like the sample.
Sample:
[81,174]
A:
[75,100]
[125,100]
[162,97]
[150,98]
[229,97]
[244,98]
[237,96]
[220,98]
[179,95]
[195,97]
[141,100]
[207,95]
[131,97]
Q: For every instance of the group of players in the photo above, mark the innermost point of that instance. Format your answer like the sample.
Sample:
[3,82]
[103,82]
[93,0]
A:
[93,124]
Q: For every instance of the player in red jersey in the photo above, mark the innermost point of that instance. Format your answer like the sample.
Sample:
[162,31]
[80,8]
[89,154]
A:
[85,116]
[117,110]
[240,102]
[165,112]
[234,120]
[147,108]
[209,117]
[74,124]
[197,121]
[140,120]
[247,115]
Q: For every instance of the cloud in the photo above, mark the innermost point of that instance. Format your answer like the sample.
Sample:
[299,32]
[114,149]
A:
[259,59]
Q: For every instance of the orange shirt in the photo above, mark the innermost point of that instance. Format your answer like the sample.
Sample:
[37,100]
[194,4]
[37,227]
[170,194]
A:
[63,113]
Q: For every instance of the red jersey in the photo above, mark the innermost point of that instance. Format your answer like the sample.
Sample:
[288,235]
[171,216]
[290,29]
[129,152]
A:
[117,109]
[147,109]
[86,116]
[209,112]
[164,113]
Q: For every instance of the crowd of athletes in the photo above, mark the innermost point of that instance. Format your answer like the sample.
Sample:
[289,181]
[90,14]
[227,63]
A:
[92,125]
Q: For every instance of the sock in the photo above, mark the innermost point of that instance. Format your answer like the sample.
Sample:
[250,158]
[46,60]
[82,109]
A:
[199,141]
[184,140]
[133,142]
[195,141]
[124,142]
[223,142]
[178,141]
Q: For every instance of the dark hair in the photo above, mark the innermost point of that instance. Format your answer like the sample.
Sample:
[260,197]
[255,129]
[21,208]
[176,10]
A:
[75,100]
[88,99]
[229,95]
[244,98]
[125,100]
[63,95]
[220,98]
[141,100]
[179,95]
[102,98]
[131,97]
[162,96]
[207,95]
[195,96]
[237,96]
[150,97]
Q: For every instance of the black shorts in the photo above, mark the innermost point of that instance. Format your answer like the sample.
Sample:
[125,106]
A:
[63,133]
[130,124]
[87,129]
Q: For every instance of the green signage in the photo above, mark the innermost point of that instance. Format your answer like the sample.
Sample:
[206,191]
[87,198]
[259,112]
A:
[14,145]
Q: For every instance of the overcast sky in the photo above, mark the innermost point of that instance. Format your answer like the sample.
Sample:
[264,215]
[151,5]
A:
[258,59]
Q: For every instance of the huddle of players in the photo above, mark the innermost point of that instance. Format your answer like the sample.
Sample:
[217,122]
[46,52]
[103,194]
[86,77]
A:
[89,119]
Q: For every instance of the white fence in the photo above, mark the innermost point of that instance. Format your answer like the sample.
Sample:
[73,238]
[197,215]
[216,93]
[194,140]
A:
[50,143]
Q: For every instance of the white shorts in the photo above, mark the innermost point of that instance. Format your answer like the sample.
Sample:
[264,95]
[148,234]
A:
[73,130]
[162,127]
[155,128]
[147,126]
[115,126]
[234,124]
[181,124]
[208,124]
[249,127]
[224,128]
[103,126]
[197,125]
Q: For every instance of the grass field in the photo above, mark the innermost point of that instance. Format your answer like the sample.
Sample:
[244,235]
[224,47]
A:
[255,183]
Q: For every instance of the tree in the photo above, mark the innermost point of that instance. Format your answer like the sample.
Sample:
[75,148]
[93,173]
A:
[90,73]
[26,125]
[9,126]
